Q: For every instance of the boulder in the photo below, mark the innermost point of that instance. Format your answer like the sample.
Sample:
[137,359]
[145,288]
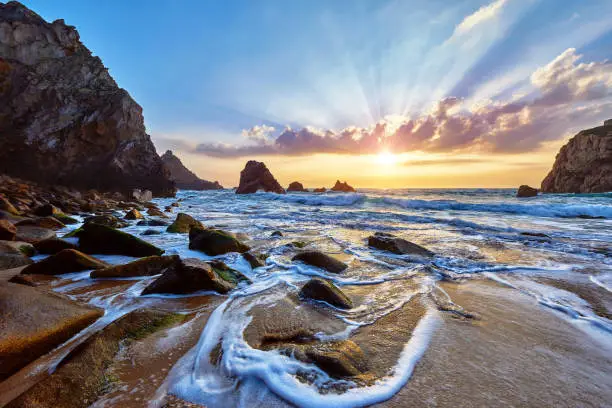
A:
[526,191]
[46,210]
[7,231]
[190,275]
[319,190]
[24,280]
[344,187]
[16,247]
[142,196]
[226,273]
[43,222]
[339,359]
[183,223]
[5,205]
[133,214]
[276,234]
[106,220]
[321,260]
[35,322]
[256,176]
[324,290]
[252,260]
[33,234]
[156,212]
[65,261]
[100,239]
[152,223]
[391,243]
[151,232]
[148,266]
[52,246]
[63,119]
[584,164]
[214,242]
[13,260]
[296,187]
[185,179]
[65,219]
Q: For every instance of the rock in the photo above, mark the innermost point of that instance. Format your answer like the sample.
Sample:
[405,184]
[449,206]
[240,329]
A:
[53,246]
[156,212]
[190,275]
[106,220]
[142,196]
[23,280]
[148,266]
[339,359]
[65,261]
[526,191]
[252,260]
[32,234]
[296,187]
[214,242]
[319,289]
[5,205]
[584,164]
[151,232]
[256,176]
[133,214]
[10,261]
[319,190]
[34,322]
[175,204]
[152,223]
[185,179]
[344,187]
[16,247]
[321,260]
[63,119]
[183,223]
[43,222]
[7,231]
[46,210]
[100,239]
[226,273]
[65,219]
[391,243]
[276,234]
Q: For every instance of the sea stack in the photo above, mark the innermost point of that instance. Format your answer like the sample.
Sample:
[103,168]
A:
[256,176]
[296,186]
[63,119]
[184,178]
[584,164]
[526,191]
[344,187]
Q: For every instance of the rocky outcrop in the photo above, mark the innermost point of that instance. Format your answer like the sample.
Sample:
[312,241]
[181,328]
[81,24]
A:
[344,187]
[319,190]
[321,260]
[214,242]
[256,176]
[100,239]
[584,164]
[324,290]
[184,178]
[183,223]
[65,261]
[296,186]
[526,191]
[391,243]
[63,119]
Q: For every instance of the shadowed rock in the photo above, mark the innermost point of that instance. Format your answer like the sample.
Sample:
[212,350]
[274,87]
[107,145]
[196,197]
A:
[32,234]
[106,220]
[151,265]
[391,243]
[65,261]
[53,246]
[43,222]
[319,289]
[321,260]
[133,214]
[16,247]
[152,223]
[526,191]
[319,190]
[337,358]
[99,239]
[156,212]
[12,260]
[256,176]
[5,205]
[185,179]
[214,242]
[344,187]
[46,210]
[296,187]
[183,223]
[7,230]
[252,260]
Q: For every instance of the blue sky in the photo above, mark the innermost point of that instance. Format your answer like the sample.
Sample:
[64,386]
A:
[225,78]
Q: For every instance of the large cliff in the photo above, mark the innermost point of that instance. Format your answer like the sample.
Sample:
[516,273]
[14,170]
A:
[584,164]
[185,179]
[63,119]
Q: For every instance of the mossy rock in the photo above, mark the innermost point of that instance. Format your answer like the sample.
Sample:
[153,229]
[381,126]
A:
[183,224]
[228,274]
[17,247]
[65,261]
[148,266]
[253,260]
[52,246]
[99,239]
[106,220]
[65,219]
[214,242]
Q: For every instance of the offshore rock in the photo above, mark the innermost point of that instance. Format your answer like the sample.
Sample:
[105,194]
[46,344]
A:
[526,191]
[344,187]
[184,178]
[256,176]
[63,119]
[296,186]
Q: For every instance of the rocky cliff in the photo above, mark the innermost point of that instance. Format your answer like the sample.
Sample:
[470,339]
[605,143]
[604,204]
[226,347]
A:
[185,179]
[63,119]
[255,176]
[584,164]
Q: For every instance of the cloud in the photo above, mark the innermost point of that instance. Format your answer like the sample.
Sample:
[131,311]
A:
[565,94]
[483,14]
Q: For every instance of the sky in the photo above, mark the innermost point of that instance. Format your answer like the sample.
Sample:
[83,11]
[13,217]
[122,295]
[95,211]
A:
[381,93]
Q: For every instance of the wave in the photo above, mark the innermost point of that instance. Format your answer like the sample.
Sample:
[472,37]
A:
[336,199]
[538,210]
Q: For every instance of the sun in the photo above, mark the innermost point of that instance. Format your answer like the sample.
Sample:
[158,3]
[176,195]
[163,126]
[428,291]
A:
[386,158]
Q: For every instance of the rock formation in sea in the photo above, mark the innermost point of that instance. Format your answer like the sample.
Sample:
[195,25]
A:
[584,164]
[63,119]
[344,187]
[256,176]
[184,178]
[526,191]
[296,186]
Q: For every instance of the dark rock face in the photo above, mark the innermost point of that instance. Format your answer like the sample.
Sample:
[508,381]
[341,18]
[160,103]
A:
[319,190]
[252,260]
[65,261]
[183,223]
[344,187]
[151,265]
[526,191]
[321,260]
[100,239]
[319,289]
[296,187]
[32,234]
[584,164]
[43,222]
[106,220]
[7,231]
[53,246]
[63,119]
[184,178]
[391,243]
[256,176]
[214,242]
